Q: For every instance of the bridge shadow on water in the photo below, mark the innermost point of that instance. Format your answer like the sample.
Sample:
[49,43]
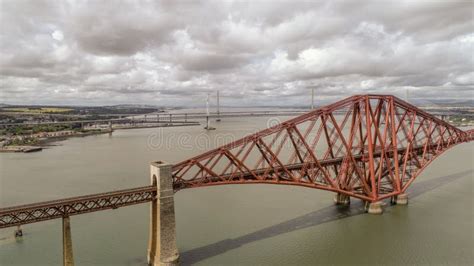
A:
[327,214]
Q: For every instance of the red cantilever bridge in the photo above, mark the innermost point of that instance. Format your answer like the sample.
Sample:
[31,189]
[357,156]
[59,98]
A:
[369,147]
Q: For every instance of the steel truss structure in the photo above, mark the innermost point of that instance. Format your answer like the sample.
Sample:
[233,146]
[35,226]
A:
[366,146]
[48,210]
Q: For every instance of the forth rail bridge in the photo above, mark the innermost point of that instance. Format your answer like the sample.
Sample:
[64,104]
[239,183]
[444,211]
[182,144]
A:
[369,147]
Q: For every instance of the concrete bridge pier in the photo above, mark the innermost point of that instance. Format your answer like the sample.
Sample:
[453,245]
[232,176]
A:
[342,199]
[401,199]
[18,232]
[67,243]
[375,207]
[162,248]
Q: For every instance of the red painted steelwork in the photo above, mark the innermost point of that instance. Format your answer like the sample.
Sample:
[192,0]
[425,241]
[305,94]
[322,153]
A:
[42,211]
[366,146]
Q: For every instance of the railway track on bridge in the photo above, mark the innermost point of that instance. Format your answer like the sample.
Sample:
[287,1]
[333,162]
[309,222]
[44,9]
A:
[42,211]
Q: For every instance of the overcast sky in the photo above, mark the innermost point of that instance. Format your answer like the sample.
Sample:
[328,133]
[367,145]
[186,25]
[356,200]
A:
[254,53]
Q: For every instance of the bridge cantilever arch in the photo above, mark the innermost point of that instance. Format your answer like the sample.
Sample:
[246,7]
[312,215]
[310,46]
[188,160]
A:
[370,147]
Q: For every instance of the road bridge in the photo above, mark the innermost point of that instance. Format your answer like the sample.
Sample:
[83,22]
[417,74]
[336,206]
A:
[161,118]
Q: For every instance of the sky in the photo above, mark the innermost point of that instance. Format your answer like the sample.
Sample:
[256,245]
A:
[256,53]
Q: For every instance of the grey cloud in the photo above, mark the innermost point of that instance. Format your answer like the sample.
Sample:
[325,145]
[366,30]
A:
[181,92]
[134,90]
[212,62]
[254,53]
[124,28]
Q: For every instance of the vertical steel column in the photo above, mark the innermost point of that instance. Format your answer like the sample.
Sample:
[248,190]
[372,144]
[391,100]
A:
[394,136]
[218,108]
[374,194]
[375,206]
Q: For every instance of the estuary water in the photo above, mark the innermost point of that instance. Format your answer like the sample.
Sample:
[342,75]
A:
[231,225]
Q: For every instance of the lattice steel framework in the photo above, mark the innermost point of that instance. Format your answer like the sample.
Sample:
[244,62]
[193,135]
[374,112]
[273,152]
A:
[366,146]
[48,210]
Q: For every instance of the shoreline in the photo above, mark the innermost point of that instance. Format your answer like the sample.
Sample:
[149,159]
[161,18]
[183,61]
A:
[21,148]
[46,142]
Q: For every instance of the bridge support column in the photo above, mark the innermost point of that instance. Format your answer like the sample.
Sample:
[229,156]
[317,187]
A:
[374,207]
[162,248]
[401,199]
[18,232]
[67,243]
[342,199]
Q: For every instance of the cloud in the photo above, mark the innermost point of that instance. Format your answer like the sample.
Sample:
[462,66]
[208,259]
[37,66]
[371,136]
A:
[175,52]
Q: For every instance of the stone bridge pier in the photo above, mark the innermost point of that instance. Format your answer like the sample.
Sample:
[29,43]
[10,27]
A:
[162,248]
[68,259]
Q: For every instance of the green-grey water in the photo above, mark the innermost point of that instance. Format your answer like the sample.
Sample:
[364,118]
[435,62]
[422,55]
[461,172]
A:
[231,225]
